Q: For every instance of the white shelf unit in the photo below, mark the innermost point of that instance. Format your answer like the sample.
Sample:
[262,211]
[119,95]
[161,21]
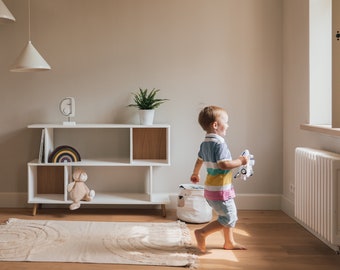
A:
[118,158]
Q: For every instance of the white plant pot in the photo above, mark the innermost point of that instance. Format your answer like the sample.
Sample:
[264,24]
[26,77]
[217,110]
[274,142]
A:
[146,117]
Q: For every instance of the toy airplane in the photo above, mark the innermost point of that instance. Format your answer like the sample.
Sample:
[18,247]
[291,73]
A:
[245,171]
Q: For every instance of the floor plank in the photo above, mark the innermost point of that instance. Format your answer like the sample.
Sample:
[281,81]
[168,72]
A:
[274,241]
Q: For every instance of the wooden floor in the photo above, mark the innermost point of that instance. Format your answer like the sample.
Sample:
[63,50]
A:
[274,241]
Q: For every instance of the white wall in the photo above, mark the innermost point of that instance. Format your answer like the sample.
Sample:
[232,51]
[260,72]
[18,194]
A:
[198,52]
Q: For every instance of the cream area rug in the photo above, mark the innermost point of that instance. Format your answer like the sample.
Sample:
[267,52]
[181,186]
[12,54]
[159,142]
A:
[144,243]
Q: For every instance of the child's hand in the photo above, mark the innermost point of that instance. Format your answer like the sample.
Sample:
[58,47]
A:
[195,178]
[244,159]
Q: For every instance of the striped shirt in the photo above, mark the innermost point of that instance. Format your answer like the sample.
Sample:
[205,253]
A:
[218,184]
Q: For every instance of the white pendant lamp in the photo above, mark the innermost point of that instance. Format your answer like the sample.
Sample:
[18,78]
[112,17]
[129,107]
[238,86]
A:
[5,15]
[29,59]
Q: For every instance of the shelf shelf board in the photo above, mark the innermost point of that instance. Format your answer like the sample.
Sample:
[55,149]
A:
[149,162]
[48,198]
[120,198]
[113,162]
[80,125]
[105,198]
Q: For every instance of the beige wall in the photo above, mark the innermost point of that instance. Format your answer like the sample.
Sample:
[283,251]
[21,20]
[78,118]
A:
[198,52]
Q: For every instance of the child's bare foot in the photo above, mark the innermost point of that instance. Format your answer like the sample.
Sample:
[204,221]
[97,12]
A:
[234,246]
[200,239]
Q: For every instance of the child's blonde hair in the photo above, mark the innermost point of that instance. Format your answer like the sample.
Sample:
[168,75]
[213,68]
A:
[209,115]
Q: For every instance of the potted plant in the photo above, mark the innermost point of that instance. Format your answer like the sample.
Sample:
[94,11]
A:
[146,102]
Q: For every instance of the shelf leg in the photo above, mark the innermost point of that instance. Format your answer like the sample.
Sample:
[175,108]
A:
[163,210]
[35,208]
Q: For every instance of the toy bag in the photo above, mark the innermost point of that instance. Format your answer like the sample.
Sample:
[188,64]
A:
[192,207]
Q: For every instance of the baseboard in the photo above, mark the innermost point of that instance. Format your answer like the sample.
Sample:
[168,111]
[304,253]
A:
[246,201]
[258,201]
[243,201]
[287,206]
[13,200]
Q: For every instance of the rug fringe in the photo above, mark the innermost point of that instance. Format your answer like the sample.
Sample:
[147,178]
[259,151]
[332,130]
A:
[186,237]
[8,221]
[187,242]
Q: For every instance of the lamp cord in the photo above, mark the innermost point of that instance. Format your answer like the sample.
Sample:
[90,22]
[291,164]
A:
[29,20]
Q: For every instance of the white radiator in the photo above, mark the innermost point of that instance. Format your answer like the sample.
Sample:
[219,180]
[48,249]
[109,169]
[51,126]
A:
[317,193]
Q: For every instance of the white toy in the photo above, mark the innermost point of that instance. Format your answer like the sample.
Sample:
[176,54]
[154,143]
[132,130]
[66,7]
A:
[78,189]
[245,171]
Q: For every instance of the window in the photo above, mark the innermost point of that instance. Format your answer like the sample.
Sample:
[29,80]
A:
[320,64]
[324,67]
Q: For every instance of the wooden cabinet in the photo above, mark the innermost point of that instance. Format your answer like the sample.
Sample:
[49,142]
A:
[119,160]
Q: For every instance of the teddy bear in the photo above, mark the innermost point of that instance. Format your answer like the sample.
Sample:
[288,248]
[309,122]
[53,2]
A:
[78,189]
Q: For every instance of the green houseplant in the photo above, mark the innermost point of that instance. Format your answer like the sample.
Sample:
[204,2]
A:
[145,100]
